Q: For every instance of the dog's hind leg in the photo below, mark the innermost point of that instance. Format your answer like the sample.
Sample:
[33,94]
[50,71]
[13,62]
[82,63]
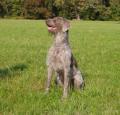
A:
[78,80]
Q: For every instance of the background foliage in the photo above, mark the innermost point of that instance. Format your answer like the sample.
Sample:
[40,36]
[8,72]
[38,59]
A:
[41,9]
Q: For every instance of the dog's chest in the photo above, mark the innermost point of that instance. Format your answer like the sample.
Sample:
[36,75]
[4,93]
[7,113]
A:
[55,58]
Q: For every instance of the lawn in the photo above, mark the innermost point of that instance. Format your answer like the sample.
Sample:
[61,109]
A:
[23,49]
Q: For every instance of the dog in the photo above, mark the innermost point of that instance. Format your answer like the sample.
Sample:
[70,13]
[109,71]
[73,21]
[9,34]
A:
[60,58]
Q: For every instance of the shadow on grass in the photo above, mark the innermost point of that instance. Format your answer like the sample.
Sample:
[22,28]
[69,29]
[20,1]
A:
[12,70]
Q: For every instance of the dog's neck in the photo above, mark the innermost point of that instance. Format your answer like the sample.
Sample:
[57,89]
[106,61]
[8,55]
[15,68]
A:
[61,38]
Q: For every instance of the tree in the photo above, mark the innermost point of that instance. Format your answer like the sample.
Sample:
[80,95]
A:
[72,9]
[106,3]
[3,8]
[35,9]
[78,6]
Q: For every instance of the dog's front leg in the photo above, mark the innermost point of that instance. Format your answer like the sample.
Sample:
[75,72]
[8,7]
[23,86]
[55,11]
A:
[50,70]
[66,82]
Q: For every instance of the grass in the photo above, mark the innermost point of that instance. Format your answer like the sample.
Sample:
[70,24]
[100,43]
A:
[23,48]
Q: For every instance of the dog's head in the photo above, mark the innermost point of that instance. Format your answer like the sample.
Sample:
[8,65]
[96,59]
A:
[57,24]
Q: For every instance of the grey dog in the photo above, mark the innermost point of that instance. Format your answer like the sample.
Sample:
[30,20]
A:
[60,58]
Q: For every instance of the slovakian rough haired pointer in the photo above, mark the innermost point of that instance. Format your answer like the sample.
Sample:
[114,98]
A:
[60,58]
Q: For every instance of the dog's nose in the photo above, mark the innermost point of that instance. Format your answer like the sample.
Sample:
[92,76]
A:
[48,20]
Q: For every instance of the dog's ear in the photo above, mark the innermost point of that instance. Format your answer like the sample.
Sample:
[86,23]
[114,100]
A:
[66,26]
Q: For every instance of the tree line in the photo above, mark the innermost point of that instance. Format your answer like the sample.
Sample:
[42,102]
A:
[72,9]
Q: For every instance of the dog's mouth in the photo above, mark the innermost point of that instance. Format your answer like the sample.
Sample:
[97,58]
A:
[51,28]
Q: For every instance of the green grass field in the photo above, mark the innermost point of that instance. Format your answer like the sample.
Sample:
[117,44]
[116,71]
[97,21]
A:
[23,49]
